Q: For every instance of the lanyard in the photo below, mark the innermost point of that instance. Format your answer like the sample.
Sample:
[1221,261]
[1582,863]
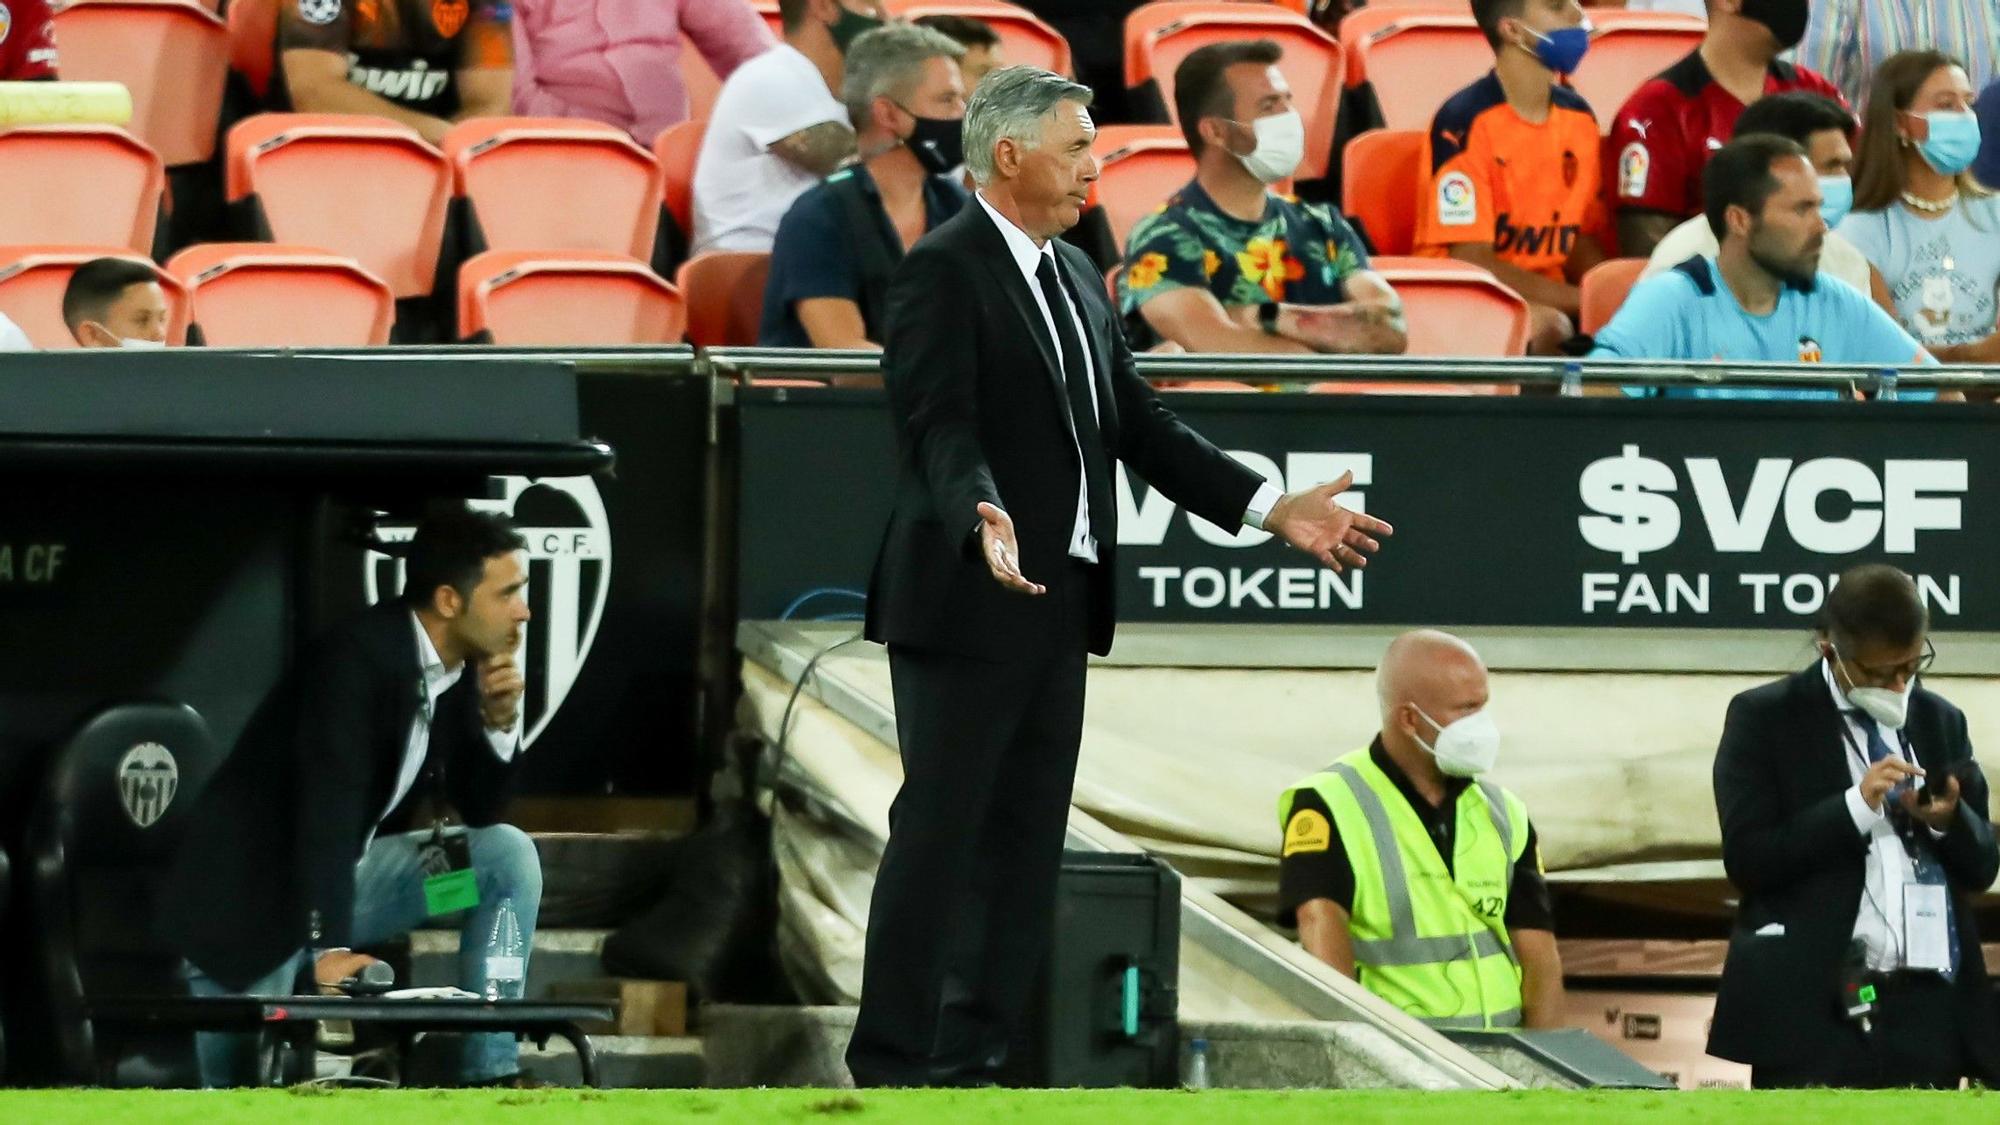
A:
[1860,754]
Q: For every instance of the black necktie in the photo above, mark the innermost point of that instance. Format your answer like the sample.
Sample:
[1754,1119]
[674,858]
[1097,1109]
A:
[1076,380]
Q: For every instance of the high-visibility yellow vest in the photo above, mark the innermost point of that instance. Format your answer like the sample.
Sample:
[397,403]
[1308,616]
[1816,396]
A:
[1430,940]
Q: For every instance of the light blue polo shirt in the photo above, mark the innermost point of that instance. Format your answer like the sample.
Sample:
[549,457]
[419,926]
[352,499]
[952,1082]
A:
[1687,313]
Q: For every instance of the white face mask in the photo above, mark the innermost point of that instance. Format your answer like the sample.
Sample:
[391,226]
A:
[1281,144]
[142,345]
[1466,748]
[1884,705]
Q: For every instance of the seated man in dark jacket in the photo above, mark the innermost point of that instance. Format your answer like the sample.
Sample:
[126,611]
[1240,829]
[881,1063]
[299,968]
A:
[299,848]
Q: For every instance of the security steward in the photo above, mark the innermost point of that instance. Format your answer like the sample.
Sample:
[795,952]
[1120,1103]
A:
[1406,871]
[1854,822]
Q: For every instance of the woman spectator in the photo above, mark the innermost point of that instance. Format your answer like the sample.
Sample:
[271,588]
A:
[1929,230]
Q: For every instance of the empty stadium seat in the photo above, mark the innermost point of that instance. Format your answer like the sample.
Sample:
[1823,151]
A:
[699,79]
[1455,308]
[725,297]
[676,149]
[256,294]
[1024,38]
[1628,49]
[32,280]
[1142,165]
[363,187]
[1603,290]
[1159,35]
[539,183]
[1383,175]
[528,297]
[1415,59]
[171,54]
[81,184]
[253,37]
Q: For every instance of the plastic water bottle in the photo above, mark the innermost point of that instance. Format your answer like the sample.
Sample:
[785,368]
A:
[1196,1077]
[506,955]
[1885,385]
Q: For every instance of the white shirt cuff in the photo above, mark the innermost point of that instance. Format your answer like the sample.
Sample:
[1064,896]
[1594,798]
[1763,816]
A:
[1267,498]
[505,743]
[1865,818]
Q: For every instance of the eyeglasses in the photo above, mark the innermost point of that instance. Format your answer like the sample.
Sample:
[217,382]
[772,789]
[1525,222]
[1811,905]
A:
[1889,673]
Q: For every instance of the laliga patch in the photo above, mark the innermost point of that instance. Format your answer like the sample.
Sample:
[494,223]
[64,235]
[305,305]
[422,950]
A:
[1634,164]
[319,12]
[1307,832]
[1458,205]
[6,22]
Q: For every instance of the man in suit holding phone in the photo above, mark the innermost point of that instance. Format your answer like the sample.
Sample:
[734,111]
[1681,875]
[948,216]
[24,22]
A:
[1014,396]
[1854,822]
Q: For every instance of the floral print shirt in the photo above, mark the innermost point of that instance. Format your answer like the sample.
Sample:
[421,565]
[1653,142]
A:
[1299,253]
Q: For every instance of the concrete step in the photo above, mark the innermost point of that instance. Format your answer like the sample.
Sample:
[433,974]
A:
[623,1062]
[558,955]
[603,879]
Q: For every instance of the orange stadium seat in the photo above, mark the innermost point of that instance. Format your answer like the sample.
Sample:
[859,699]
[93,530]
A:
[556,184]
[1024,38]
[699,79]
[1628,49]
[253,37]
[258,294]
[554,298]
[32,280]
[80,184]
[1159,35]
[1415,59]
[1604,289]
[676,149]
[1142,165]
[364,187]
[171,54]
[1383,175]
[725,297]
[1455,308]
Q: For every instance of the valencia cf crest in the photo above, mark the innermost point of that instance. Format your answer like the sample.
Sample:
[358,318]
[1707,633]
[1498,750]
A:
[1569,169]
[449,15]
[147,781]
[569,576]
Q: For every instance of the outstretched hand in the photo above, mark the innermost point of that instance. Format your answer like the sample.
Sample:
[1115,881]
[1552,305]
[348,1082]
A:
[1314,522]
[1002,553]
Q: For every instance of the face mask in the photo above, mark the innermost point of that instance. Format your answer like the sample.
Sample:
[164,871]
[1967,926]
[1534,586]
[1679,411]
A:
[1281,144]
[1836,199]
[938,142]
[1953,141]
[850,26]
[1785,18]
[1563,49]
[1885,706]
[1468,747]
[141,345]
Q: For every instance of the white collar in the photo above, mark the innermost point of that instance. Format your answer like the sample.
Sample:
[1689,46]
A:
[437,678]
[1027,256]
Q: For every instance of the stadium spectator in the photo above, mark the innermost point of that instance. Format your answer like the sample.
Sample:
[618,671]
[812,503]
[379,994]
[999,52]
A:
[324,828]
[1228,265]
[115,303]
[1665,132]
[838,244]
[425,63]
[1854,825]
[1849,40]
[1826,131]
[618,61]
[1929,230]
[27,41]
[1514,167]
[1762,296]
[1384,877]
[1986,168]
[778,127]
[984,52]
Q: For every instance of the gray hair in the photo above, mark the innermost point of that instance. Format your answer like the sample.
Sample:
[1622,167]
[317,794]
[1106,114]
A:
[1011,103]
[889,62]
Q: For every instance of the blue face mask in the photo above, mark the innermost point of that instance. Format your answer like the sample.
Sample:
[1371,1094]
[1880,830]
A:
[1953,141]
[1836,199]
[1563,49]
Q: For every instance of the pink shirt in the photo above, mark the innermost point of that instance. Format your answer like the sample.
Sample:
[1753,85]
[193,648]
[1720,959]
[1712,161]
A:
[618,61]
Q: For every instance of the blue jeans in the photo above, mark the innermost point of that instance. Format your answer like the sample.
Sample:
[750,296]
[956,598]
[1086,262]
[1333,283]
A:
[388,903]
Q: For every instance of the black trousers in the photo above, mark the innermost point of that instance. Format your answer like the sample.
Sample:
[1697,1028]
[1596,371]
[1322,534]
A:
[964,901]
[1914,1041]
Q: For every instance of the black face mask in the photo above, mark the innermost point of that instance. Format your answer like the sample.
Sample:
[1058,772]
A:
[939,142]
[1785,18]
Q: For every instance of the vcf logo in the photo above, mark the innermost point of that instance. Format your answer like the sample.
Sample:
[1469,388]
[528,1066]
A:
[569,576]
[147,781]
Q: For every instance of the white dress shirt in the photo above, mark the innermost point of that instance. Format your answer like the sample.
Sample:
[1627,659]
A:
[1879,921]
[437,680]
[1028,258]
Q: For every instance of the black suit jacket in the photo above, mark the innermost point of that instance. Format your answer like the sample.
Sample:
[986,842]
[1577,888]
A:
[267,867]
[1790,847]
[981,414]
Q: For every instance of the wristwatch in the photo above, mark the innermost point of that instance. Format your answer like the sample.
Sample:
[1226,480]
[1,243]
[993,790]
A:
[1267,317]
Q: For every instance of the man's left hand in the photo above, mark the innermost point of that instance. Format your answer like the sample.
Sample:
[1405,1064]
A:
[1942,807]
[1314,522]
[500,689]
